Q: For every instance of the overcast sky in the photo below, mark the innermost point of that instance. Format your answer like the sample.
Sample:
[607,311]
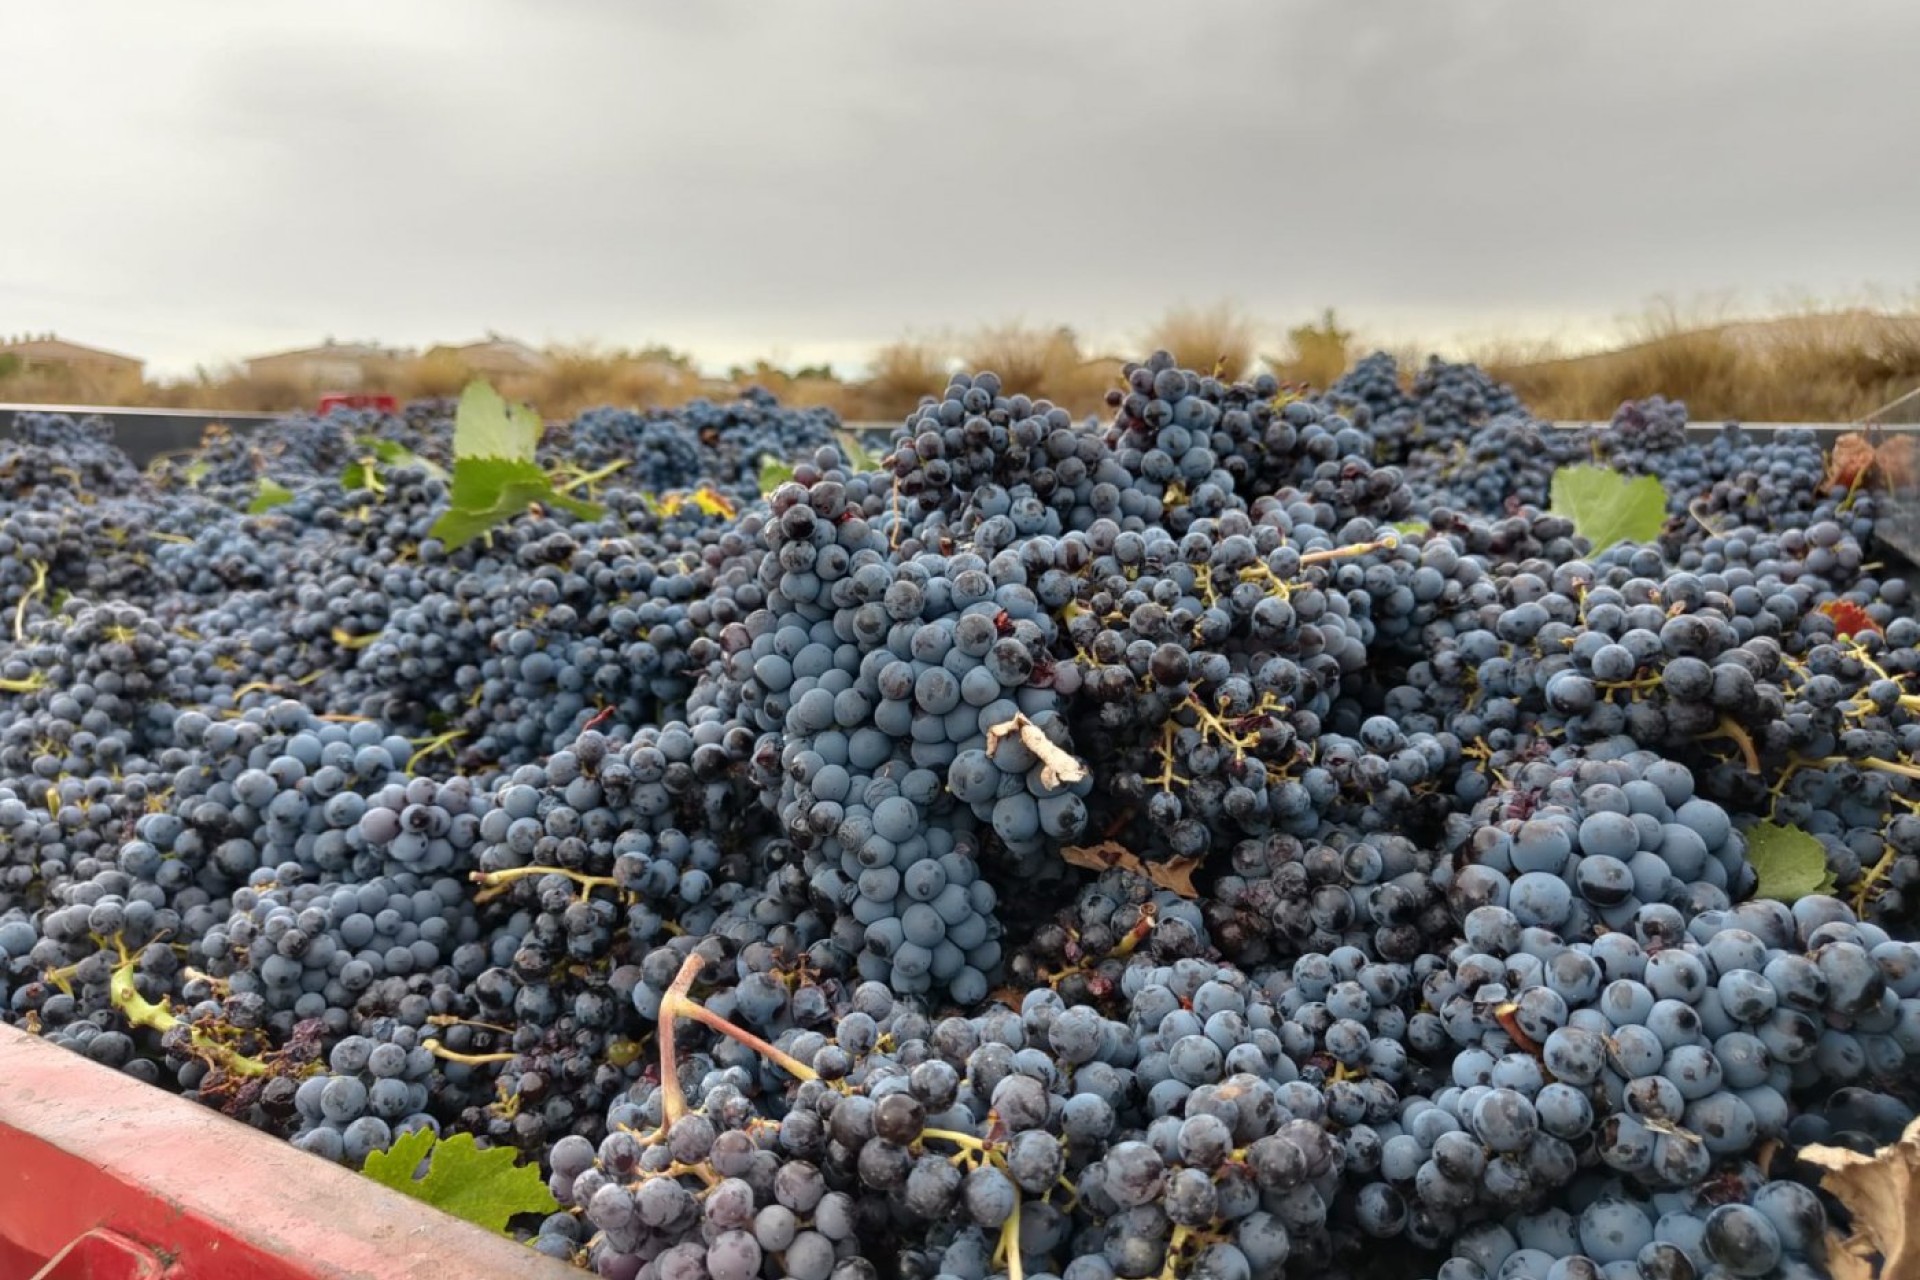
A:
[194,182]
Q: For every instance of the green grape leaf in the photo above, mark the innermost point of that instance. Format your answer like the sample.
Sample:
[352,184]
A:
[1412,528]
[1607,507]
[395,454]
[357,474]
[269,494]
[486,426]
[512,493]
[484,1187]
[773,474]
[1790,864]
[490,484]
[857,456]
[495,477]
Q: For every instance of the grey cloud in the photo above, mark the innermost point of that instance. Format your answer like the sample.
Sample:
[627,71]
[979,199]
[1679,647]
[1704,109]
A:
[820,176]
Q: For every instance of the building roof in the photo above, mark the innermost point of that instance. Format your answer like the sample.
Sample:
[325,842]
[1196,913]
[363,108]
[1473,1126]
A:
[49,347]
[331,350]
[496,342]
[499,349]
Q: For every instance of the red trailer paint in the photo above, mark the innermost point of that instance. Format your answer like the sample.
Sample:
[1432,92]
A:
[340,400]
[105,1178]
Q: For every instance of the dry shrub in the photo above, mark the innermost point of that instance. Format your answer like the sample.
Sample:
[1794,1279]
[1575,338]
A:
[1803,364]
[823,392]
[437,373]
[646,384]
[1806,366]
[902,372]
[273,392]
[1045,364]
[1219,339]
[578,378]
[1316,354]
[64,384]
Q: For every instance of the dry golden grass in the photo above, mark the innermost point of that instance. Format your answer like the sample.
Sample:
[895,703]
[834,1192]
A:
[900,373]
[578,378]
[1316,353]
[1803,364]
[438,373]
[46,384]
[1046,364]
[1220,339]
[1805,367]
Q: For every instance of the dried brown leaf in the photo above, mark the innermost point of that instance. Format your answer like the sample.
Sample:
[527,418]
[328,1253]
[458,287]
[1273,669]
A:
[1881,1193]
[1852,458]
[1899,461]
[1174,875]
[1102,857]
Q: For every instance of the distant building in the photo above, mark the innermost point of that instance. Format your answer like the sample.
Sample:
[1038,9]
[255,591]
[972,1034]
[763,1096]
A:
[45,351]
[495,357]
[340,366]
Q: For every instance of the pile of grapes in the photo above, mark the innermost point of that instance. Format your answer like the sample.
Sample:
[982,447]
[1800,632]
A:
[1250,836]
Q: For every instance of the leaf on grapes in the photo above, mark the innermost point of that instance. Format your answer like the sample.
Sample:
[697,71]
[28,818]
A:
[857,456]
[486,426]
[269,494]
[1849,619]
[396,1166]
[707,500]
[486,1188]
[1789,864]
[1607,507]
[1412,528]
[710,501]
[1898,458]
[1852,459]
[495,477]
[1881,1194]
[395,454]
[357,474]
[1175,875]
[773,474]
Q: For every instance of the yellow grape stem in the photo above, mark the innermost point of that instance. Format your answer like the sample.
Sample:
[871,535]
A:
[141,1012]
[441,1051]
[39,587]
[494,881]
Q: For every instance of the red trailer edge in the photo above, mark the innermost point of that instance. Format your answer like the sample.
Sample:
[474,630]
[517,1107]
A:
[105,1178]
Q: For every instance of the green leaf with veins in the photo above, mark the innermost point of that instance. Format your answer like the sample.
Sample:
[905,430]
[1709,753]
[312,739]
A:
[357,474]
[485,1187]
[1790,864]
[269,494]
[486,426]
[1607,507]
[857,456]
[495,477]
[395,454]
[773,474]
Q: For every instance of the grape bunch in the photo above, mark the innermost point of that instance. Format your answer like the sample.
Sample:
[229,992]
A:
[1249,836]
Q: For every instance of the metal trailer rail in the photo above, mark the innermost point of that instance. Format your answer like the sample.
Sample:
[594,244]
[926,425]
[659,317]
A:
[145,434]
